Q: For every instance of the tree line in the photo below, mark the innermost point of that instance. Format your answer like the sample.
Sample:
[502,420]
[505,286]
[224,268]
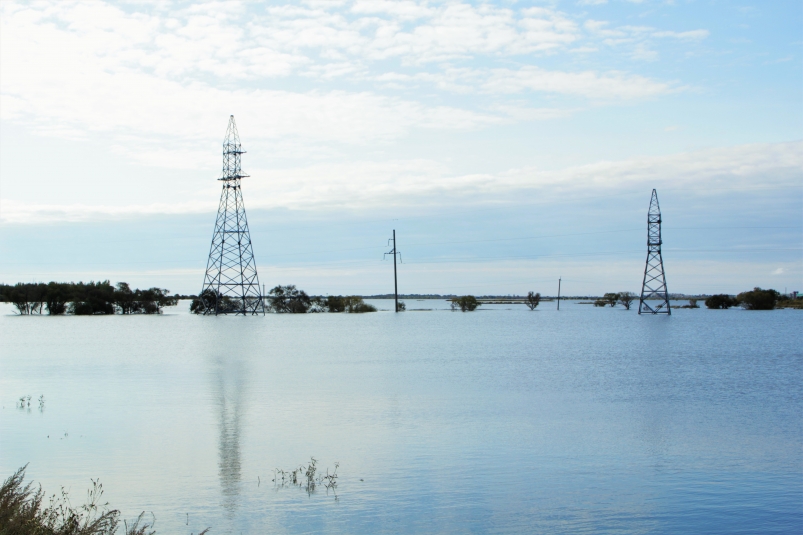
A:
[84,299]
[755,299]
[286,300]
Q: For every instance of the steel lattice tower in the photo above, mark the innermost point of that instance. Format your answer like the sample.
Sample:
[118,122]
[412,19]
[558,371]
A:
[654,285]
[231,285]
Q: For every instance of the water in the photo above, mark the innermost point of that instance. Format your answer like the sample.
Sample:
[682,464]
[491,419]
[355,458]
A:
[502,420]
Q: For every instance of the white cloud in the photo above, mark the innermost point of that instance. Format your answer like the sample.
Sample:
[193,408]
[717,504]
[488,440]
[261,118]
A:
[362,185]
[588,84]
[692,35]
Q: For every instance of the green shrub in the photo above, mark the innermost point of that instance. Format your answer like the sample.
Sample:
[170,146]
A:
[758,299]
[721,301]
[466,303]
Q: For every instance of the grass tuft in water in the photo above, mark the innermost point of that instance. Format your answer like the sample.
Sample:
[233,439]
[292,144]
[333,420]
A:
[306,477]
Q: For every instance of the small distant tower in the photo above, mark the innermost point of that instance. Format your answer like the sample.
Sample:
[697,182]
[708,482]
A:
[231,285]
[654,285]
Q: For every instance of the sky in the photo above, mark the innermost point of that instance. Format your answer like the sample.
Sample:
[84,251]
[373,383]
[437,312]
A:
[508,143]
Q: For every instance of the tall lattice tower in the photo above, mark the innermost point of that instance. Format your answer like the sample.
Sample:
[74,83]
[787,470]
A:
[231,285]
[654,285]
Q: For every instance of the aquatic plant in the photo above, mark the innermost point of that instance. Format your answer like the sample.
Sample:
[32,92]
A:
[306,477]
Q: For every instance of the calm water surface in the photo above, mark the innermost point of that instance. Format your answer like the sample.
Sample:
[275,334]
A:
[499,421]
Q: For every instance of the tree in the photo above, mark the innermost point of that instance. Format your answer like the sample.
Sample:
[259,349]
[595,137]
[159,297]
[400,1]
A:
[600,303]
[533,299]
[626,299]
[92,298]
[466,303]
[355,305]
[693,303]
[57,295]
[721,301]
[124,298]
[335,303]
[152,300]
[611,298]
[209,299]
[401,307]
[758,299]
[317,304]
[289,299]
[20,297]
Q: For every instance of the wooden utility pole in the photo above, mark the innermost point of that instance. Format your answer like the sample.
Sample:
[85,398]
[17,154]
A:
[558,293]
[395,281]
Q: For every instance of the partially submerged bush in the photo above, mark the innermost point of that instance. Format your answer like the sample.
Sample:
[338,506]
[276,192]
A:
[356,305]
[466,303]
[209,300]
[758,299]
[721,301]
[289,299]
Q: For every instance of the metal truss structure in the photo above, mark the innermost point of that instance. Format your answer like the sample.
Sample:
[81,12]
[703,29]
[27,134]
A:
[231,285]
[654,285]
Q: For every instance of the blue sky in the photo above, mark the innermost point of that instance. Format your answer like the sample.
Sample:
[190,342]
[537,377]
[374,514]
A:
[508,143]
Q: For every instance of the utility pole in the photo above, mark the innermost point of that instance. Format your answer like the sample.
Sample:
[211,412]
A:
[559,293]
[394,252]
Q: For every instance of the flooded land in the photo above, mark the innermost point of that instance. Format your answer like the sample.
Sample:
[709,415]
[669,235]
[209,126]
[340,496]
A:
[503,420]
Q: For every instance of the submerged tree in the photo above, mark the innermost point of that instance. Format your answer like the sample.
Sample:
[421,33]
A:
[92,298]
[626,299]
[533,300]
[355,305]
[209,300]
[466,303]
[289,299]
[758,299]
[56,298]
[721,301]
[611,298]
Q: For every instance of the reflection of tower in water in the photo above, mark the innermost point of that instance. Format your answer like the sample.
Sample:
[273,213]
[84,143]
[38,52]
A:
[230,383]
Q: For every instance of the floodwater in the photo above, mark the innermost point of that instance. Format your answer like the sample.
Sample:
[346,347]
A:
[502,420]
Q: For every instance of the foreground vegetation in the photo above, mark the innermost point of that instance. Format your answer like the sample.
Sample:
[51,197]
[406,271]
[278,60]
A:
[23,512]
[84,299]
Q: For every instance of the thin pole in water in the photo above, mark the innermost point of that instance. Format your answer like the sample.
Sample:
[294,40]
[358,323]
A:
[395,281]
[394,252]
[558,293]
